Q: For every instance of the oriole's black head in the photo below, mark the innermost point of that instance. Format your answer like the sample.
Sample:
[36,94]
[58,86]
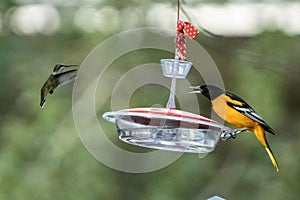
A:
[209,91]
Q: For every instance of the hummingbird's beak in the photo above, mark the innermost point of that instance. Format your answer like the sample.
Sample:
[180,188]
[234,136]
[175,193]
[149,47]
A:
[71,65]
[197,90]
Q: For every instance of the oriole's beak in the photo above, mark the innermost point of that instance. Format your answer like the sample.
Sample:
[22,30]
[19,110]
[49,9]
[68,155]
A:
[197,90]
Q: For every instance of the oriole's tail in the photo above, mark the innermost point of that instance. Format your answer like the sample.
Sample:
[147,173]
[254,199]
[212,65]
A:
[261,136]
[272,158]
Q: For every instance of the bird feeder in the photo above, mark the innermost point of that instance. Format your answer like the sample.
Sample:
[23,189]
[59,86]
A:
[168,128]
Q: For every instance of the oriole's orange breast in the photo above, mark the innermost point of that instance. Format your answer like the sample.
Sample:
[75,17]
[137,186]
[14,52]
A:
[231,115]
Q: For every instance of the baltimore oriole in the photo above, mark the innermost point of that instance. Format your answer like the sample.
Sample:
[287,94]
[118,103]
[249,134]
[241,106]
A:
[237,112]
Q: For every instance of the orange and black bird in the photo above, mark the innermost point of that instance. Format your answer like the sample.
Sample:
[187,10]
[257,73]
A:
[237,112]
[57,78]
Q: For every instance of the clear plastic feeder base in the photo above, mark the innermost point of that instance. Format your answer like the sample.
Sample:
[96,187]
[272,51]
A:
[166,129]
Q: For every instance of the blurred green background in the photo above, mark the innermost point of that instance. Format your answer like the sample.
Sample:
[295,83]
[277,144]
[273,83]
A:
[42,157]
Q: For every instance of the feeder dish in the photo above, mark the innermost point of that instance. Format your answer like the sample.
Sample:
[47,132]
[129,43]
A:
[166,129]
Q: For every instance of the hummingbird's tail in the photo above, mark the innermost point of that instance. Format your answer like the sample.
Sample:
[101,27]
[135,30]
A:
[43,99]
[43,95]
[42,102]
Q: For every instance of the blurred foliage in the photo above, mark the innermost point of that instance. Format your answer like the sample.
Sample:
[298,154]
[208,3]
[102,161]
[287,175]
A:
[42,157]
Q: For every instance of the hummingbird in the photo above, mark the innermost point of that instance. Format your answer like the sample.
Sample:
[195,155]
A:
[57,78]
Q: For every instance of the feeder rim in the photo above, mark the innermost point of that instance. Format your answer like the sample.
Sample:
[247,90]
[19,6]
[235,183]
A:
[169,112]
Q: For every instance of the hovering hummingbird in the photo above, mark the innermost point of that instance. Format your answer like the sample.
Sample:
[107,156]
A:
[57,78]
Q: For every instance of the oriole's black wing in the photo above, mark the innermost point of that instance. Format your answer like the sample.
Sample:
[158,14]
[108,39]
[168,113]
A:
[240,105]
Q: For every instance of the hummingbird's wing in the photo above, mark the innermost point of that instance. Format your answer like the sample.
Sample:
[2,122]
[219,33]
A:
[66,77]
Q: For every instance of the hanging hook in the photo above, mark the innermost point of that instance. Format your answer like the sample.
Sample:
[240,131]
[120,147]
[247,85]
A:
[178,9]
